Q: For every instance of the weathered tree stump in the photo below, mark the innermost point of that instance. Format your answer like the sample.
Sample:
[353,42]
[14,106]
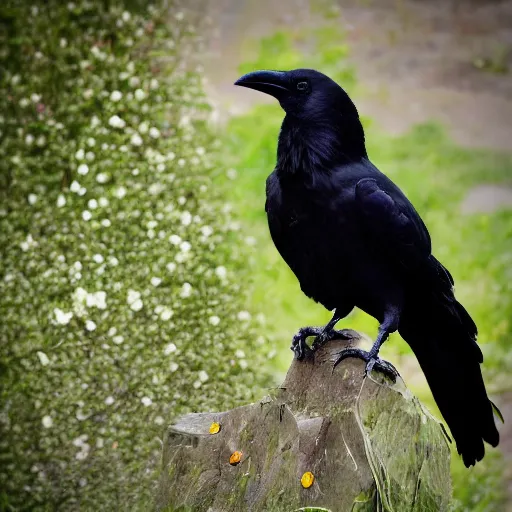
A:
[368,442]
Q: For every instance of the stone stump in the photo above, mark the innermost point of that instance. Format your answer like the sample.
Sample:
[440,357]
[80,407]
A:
[327,439]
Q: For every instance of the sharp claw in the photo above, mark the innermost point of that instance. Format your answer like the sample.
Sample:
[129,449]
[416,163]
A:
[372,363]
[369,365]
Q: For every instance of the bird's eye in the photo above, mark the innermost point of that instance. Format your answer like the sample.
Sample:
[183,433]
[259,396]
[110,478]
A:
[302,86]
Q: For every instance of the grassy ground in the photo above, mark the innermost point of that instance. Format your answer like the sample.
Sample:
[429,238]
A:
[436,175]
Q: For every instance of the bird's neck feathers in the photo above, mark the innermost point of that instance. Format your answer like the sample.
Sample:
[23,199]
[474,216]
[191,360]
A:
[307,145]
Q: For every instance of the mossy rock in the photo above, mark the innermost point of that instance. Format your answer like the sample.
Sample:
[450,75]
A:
[369,443]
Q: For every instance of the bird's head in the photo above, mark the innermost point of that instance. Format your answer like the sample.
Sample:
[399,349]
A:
[302,93]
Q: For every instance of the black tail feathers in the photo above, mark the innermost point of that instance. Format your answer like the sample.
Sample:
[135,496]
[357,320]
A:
[442,335]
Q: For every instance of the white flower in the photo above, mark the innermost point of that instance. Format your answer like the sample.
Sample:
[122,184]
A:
[166,314]
[80,154]
[43,358]
[146,401]
[185,246]
[86,215]
[134,300]
[159,420]
[244,315]
[106,223]
[116,96]
[170,348]
[175,239]
[83,169]
[41,141]
[32,198]
[103,202]
[240,354]
[139,94]
[186,218]
[118,339]
[82,191]
[63,42]
[98,258]
[29,139]
[90,325]
[92,204]
[250,240]
[102,177]
[47,421]
[136,139]
[154,83]
[24,102]
[171,267]
[203,376]
[28,243]
[134,81]
[90,156]
[143,127]
[173,366]
[206,231]
[214,320]
[95,122]
[116,122]
[87,94]
[133,295]
[75,186]
[186,290]
[221,272]
[231,174]
[61,317]
[154,132]
[109,400]
[36,98]
[97,299]
[120,192]
[126,16]
[155,281]
[91,142]
[200,151]
[181,162]
[61,201]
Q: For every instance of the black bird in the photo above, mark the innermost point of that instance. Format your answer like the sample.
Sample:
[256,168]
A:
[353,239]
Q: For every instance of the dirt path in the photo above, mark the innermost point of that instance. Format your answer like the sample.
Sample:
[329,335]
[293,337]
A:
[415,60]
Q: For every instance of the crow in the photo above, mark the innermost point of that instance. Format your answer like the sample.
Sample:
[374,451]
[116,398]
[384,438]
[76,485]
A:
[353,239]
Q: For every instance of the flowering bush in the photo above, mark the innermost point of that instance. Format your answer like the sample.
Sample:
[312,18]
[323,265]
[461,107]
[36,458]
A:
[120,278]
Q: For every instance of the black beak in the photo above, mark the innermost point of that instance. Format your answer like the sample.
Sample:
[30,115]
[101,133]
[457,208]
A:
[275,83]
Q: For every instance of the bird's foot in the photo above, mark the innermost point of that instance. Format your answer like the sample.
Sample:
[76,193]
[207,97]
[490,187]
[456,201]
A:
[373,362]
[299,343]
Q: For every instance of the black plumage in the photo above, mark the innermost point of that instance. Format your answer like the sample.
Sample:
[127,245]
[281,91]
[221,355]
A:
[353,239]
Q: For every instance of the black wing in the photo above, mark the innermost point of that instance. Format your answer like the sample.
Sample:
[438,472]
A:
[392,225]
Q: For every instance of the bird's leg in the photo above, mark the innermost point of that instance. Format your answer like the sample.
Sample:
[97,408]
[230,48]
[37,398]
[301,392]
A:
[388,326]
[328,333]
[323,335]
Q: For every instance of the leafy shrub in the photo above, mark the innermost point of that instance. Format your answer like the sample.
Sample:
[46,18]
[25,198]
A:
[121,304]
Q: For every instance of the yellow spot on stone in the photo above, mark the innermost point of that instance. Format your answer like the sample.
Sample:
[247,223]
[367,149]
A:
[214,428]
[235,458]
[307,479]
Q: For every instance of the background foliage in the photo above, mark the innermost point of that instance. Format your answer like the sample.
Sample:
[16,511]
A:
[120,268]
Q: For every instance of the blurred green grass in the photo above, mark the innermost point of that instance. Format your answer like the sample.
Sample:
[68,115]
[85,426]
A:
[436,175]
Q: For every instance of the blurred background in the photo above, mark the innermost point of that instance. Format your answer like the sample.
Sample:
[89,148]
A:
[137,277]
